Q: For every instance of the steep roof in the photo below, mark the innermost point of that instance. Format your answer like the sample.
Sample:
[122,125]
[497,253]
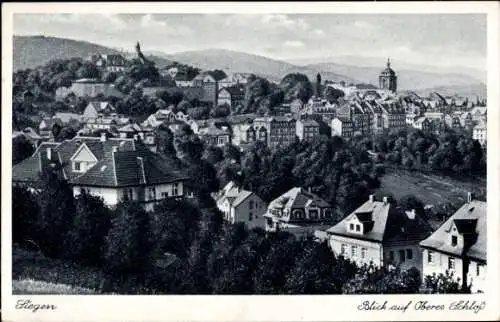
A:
[470,218]
[31,168]
[131,168]
[386,224]
[298,198]
[236,90]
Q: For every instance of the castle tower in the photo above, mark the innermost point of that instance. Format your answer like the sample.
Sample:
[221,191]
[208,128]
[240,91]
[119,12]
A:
[318,86]
[388,79]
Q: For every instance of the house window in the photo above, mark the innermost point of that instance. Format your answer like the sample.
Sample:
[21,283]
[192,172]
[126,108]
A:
[152,193]
[343,248]
[430,257]
[454,240]
[358,228]
[77,166]
[164,194]
[351,226]
[174,190]
[451,263]
[131,194]
[250,216]
[354,251]
[409,254]
[363,252]
[402,257]
[250,204]
[391,255]
[478,269]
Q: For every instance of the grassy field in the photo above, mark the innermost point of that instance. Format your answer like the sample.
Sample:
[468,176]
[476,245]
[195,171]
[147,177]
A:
[429,188]
[33,273]
[29,286]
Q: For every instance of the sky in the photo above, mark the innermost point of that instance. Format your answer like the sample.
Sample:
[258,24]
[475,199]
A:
[427,39]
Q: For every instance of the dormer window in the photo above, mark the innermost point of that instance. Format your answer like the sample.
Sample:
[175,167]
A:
[77,167]
[454,240]
[351,227]
[358,228]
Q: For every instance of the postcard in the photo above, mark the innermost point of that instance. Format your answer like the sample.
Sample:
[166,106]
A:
[250,161]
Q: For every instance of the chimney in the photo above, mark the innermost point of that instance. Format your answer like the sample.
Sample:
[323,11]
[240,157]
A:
[103,137]
[386,200]
[469,197]
[371,198]
[49,153]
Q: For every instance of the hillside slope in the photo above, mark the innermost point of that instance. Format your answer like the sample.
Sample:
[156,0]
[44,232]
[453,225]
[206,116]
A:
[33,51]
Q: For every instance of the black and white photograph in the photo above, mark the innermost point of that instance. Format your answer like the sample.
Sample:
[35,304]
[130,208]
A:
[267,153]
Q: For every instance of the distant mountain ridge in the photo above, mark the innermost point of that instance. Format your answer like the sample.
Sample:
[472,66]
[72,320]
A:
[32,51]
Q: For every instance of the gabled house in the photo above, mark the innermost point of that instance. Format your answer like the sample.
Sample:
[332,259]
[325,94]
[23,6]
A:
[307,129]
[299,212]
[101,123]
[459,246]
[342,127]
[47,125]
[162,116]
[479,132]
[114,169]
[378,233]
[134,130]
[275,130]
[423,124]
[231,96]
[452,121]
[239,205]
[97,108]
[213,135]
[139,175]
[467,121]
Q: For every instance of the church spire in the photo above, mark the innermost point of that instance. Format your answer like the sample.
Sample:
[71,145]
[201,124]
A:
[388,62]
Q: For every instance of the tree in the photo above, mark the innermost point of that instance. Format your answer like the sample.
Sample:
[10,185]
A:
[372,280]
[314,271]
[25,212]
[56,212]
[295,86]
[220,111]
[21,149]
[442,284]
[128,247]
[91,223]
[173,227]
[332,94]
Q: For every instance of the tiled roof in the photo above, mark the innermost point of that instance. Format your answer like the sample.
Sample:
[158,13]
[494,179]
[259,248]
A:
[386,224]
[30,169]
[470,218]
[236,90]
[67,117]
[62,152]
[298,198]
[131,168]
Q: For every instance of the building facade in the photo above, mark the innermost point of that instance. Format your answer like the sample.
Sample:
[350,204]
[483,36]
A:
[376,233]
[459,246]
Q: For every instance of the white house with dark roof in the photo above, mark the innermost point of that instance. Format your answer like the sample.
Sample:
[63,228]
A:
[298,211]
[479,132]
[111,168]
[307,129]
[239,205]
[459,246]
[378,233]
